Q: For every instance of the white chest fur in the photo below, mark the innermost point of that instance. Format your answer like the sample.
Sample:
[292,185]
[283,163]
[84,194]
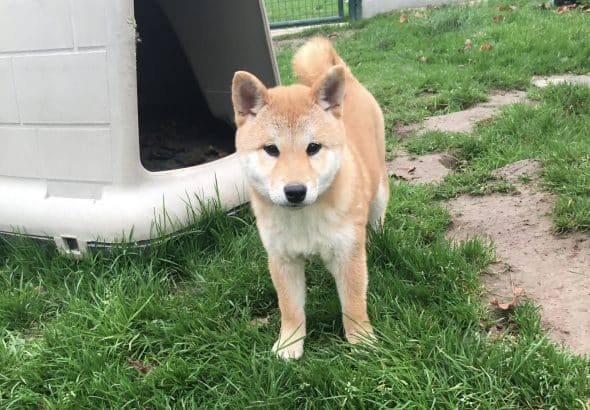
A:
[310,231]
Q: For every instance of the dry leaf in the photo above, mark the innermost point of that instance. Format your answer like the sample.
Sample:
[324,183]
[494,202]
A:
[485,47]
[503,7]
[423,59]
[403,18]
[498,18]
[468,44]
[566,8]
[142,368]
[495,332]
[404,173]
[503,306]
[562,9]
[516,294]
[39,288]
[418,15]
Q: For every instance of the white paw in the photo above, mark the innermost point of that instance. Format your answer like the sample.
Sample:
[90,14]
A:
[362,335]
[288,349]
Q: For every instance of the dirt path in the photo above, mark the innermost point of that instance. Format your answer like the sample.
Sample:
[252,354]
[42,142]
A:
[464,121]
[434,167]
[554,272]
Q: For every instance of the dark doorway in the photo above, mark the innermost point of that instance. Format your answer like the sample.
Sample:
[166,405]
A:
[176,127]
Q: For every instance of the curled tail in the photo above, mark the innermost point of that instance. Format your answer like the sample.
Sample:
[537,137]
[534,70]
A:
[313,59]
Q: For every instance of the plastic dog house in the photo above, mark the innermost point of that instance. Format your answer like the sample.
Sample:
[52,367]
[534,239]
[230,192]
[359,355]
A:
[80,79]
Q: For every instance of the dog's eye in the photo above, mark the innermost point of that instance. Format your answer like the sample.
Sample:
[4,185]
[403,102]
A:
[313,148]
[272,150]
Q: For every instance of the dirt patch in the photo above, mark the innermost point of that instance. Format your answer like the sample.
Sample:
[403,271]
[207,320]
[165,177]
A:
[299,41]
[174,144]
[553,271]
[544,81]
[434,167]
[463,121]
[422,169]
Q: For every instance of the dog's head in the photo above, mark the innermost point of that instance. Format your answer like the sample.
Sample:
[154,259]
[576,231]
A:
[290,139]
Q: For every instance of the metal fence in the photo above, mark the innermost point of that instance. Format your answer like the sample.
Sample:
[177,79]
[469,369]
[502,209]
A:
[288,13]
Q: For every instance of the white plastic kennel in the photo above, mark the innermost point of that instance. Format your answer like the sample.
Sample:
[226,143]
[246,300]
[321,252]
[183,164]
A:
[96,93]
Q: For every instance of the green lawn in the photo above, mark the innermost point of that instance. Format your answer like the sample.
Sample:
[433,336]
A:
[189,323]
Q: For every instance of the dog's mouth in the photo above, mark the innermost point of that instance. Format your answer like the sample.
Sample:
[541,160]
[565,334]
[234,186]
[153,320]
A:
[294,206]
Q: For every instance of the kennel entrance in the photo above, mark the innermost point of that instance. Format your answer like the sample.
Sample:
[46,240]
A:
[79,85]
[176,126]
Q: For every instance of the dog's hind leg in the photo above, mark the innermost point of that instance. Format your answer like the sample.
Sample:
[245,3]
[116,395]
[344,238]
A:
[378,205]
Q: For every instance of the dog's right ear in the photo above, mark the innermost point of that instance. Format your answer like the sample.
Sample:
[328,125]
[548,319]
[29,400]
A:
[248,95]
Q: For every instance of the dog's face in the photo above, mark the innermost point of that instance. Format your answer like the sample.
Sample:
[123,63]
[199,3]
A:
[289,139]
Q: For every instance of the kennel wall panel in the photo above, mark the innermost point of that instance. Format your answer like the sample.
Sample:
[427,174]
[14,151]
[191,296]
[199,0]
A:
[69,140]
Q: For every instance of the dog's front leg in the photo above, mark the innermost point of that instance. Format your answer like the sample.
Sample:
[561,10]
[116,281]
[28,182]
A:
[288,277]
[350,272]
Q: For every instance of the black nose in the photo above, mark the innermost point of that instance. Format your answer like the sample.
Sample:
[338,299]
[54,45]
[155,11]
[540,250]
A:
[295,193]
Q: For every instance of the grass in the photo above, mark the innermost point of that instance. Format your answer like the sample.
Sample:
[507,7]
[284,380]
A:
[189,322]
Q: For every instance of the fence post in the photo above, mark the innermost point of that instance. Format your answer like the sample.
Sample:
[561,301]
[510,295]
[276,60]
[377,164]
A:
[355,9]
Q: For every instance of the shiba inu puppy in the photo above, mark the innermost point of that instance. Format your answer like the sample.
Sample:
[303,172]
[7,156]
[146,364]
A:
[314,157]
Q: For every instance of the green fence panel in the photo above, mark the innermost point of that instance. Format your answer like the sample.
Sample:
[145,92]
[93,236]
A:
[288,13]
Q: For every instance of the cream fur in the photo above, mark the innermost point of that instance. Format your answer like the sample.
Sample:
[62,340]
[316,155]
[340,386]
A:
[346,181]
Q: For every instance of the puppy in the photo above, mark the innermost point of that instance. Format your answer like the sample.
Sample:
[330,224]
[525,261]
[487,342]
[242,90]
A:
[314,158]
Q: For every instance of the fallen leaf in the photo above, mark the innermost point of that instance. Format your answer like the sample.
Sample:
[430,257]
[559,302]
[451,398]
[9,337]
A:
[467,44]
[403,18]
[418,15]
[485,47]
[503,306]
[566,8]
[496,332]
[516,294]
[142,368]
[503,7]
[498,18]
[405,174]
[39,288]
[423,59]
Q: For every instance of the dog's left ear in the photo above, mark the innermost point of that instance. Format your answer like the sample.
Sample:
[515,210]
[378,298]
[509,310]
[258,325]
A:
[328,91]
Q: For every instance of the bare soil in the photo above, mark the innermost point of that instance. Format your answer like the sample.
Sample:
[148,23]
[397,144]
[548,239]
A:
[434,167]
[552,271]
[422,169]
[543,81]
[464,121]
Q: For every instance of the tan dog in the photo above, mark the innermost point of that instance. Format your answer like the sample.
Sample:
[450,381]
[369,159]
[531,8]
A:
[314,156]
